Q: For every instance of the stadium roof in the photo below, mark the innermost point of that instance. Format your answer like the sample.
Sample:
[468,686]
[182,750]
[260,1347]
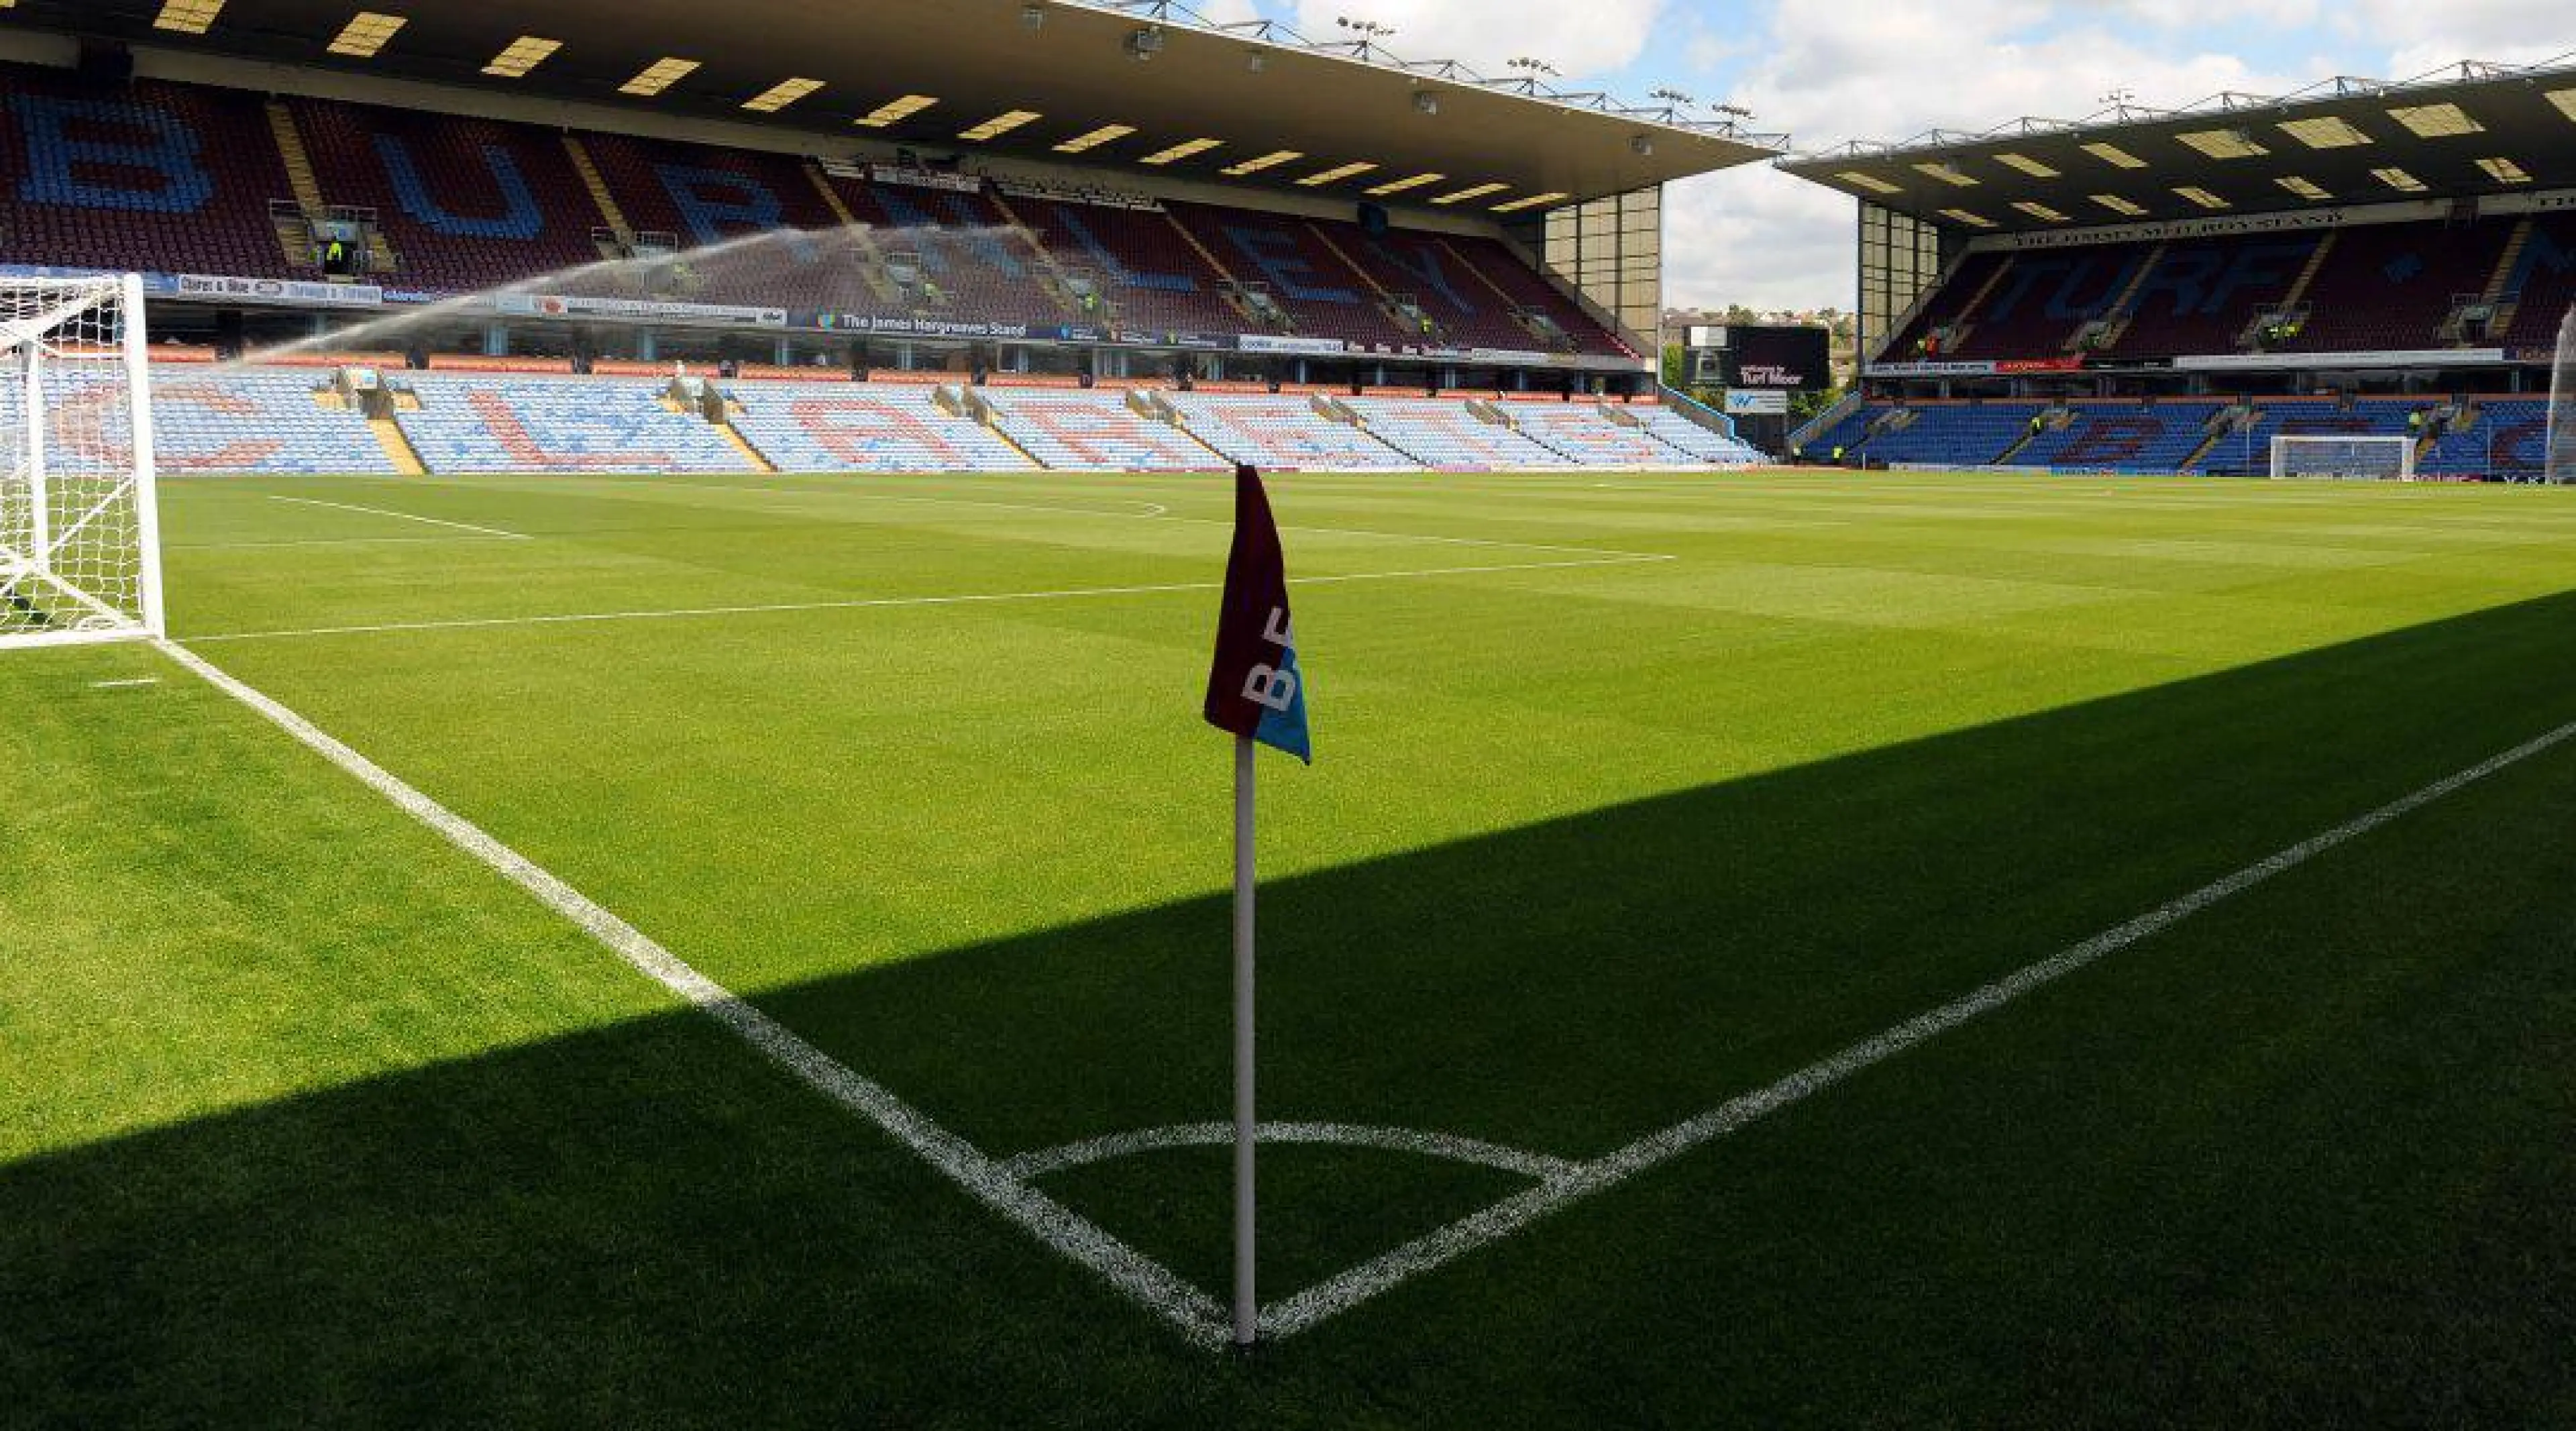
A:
[1113,83]
[2466,131]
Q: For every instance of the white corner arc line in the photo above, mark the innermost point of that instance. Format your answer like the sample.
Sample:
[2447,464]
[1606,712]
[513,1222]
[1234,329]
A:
[1341,1293]
[1148,1283]
[406,517]
[1537,1166]
[884,602]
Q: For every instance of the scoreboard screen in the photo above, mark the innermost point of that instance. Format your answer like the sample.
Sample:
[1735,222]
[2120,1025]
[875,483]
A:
[1781,359]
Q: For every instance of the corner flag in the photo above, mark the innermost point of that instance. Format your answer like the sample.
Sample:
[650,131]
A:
[1257,694]
[1255,690]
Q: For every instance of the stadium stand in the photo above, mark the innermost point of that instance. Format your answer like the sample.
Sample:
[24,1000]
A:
[519,424]
[845,427]
[1283,432]
[1096,432]
[258,421]
[464,203]
[1587,435]
[1155,279]
[160,178]
[2122,437]
[1691,440]
[1449,434]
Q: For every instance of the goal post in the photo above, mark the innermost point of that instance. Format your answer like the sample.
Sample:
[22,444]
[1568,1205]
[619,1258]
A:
[80,549]
[2344,456]
[2558,458]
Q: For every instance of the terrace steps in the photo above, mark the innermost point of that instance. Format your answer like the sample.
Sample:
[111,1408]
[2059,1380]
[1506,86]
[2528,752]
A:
[398,448]
[611,215]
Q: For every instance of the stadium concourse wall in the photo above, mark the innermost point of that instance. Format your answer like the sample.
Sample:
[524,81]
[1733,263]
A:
[362,413]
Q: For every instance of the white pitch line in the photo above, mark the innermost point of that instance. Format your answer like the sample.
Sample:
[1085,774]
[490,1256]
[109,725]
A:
[124,685]
[406,516]
[1148,1283]
[1341,1293]
[874,603]
[1539,1166]
[328,542]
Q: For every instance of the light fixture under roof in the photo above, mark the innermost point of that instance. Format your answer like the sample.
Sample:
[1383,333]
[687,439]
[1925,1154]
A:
[188,17]
[1478,191]
[1871,182]
[1181,151]
[1271,160]
[2027,165]
[781,95]
[2399,180]
[1950,174]
[1554,196]
[2437,121]
[1000,124]
[2306,189]
[1336,174]
[895,111]
[2115,156]
[1085,143]
[1972,220]
[2201,196]
[1399,186]
[2327,132]
[2123,207]
[659,76]
[524,54]
[365,34]
[2505,171]
[2224,143]
[2041,212]
[2565,99]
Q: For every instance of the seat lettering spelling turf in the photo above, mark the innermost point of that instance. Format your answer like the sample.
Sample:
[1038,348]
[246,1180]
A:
[109,154]
[519,217]
[932,237]
[1116,271]
[1275,252]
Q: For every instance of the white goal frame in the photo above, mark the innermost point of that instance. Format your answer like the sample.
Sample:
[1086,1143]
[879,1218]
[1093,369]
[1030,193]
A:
[2287,447]
[80,521]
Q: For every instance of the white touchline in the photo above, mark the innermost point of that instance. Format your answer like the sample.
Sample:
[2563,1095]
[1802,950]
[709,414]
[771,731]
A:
[407,517]
[124,685]
[1147,1282]
[874,603]
[1349,1289]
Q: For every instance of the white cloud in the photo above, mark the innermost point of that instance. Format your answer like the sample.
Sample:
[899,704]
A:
[1889,71]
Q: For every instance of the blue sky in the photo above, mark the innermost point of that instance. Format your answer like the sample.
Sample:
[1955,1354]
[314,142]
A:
[1888,69]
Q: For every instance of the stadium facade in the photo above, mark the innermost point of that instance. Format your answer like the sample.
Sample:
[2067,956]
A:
[1046,193]
[2171,290]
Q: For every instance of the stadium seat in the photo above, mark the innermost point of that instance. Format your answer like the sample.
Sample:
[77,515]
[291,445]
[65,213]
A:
[1097,432]
[517,424]
[1286,433]
[850,427]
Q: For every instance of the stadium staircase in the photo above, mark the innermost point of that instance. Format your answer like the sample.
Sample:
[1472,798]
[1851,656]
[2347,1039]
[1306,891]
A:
[612,217]
[2496,297]
[2104,333]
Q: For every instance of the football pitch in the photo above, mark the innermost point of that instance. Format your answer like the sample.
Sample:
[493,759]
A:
[1765,949]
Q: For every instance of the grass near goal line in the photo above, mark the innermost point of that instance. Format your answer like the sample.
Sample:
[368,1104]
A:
[1635,795]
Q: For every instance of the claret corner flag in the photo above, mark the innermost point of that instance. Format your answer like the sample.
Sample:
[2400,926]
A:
[1255,689]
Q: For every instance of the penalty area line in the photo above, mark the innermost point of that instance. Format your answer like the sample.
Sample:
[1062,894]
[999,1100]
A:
[889,602]
[1349,1289]
[1146,1282]
[407,517]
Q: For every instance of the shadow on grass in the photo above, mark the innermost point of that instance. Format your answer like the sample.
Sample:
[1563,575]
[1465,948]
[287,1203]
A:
[645,1225]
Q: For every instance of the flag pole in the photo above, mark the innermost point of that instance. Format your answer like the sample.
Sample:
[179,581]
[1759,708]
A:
[1246,1305]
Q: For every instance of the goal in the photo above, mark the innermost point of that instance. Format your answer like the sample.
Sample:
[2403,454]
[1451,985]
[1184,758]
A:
[2370,459]
[2558,459]
[80,553]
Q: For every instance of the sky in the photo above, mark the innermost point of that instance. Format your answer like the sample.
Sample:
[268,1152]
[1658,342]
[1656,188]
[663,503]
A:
[1890,69]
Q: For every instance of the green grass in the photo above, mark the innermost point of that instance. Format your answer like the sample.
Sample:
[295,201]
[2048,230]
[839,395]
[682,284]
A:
[310,1117]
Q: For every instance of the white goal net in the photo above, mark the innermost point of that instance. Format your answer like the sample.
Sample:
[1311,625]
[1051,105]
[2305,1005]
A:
[2365,459]
[79,531]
